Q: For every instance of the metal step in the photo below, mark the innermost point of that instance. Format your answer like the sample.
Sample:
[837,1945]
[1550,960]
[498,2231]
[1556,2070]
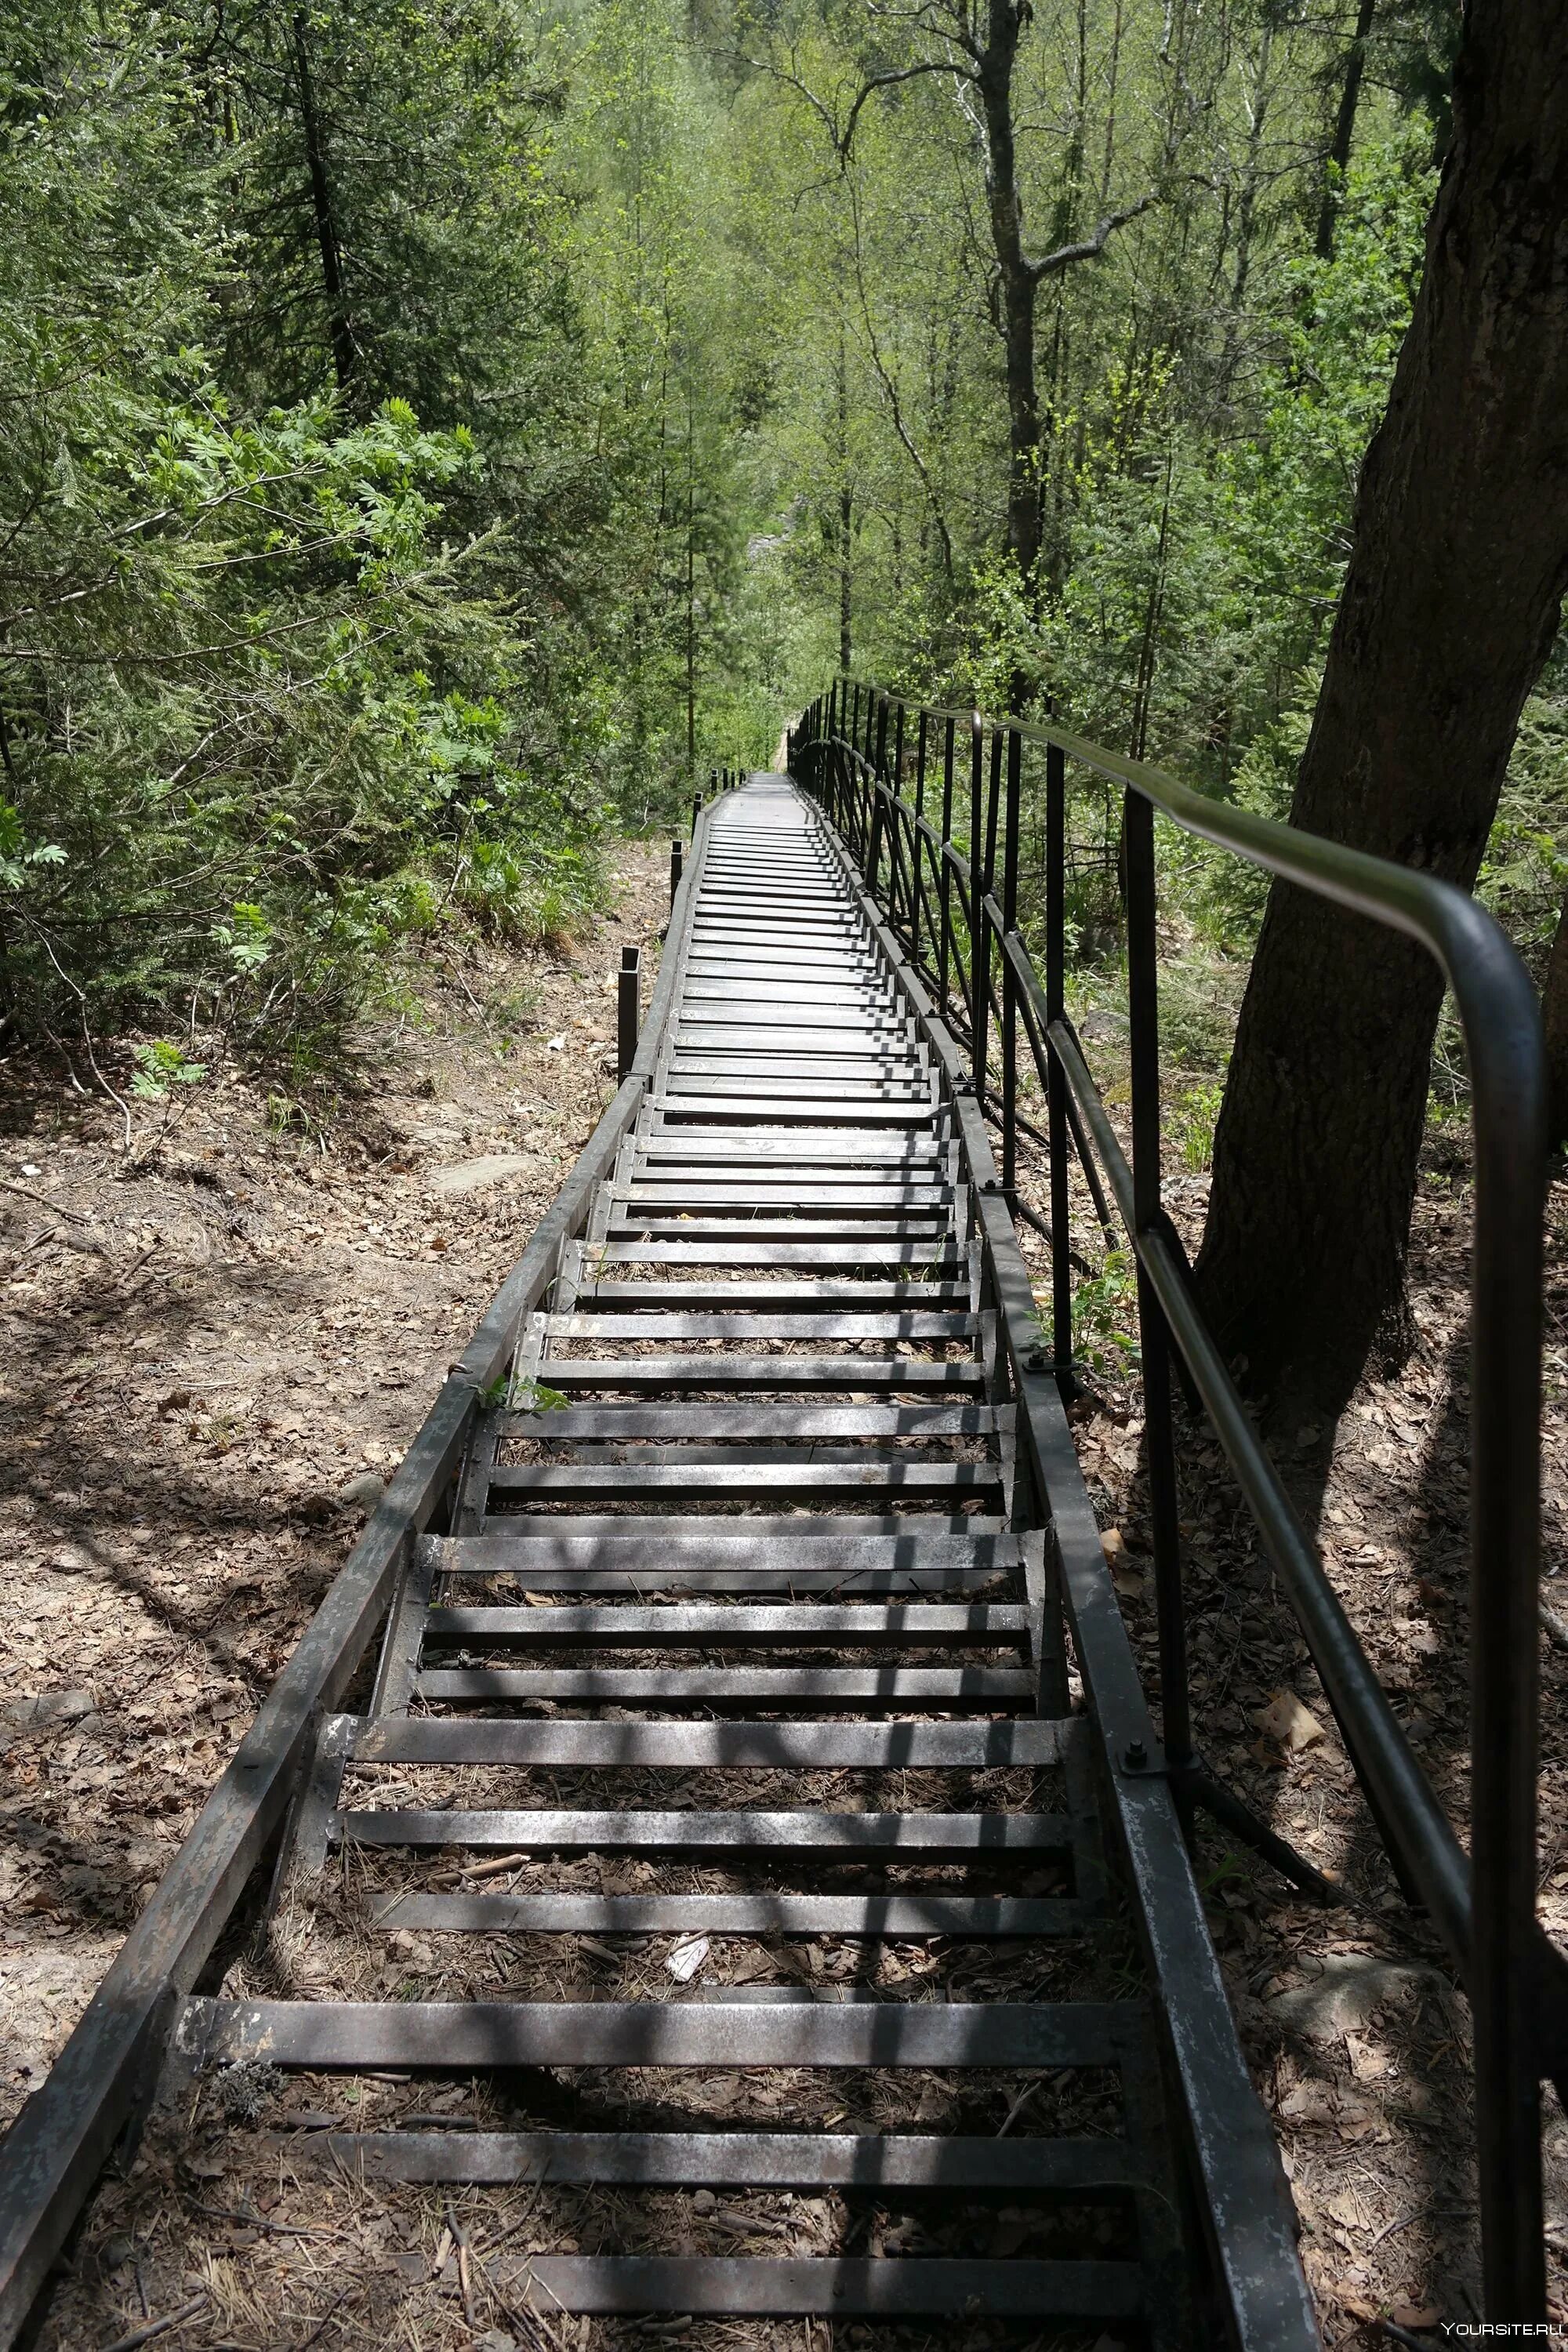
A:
[832,1689]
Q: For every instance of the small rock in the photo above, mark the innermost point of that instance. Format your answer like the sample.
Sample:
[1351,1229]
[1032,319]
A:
[364,1492]
[557,1045]
[1111,1545]
[478,1175]
[704,2201]
[1349,1994]
[46,1708]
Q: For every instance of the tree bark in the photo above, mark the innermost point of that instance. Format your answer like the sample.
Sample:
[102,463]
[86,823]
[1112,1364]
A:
[1016,282]
[340,321]
[1458,564]
[1338,155]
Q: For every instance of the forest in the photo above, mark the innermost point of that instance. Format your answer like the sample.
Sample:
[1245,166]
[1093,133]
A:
[434,437]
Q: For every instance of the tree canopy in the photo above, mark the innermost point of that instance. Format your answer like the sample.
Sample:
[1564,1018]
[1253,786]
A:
[436,432]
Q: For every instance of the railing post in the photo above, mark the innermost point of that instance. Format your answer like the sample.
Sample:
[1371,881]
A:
[1009,981]
[1159,1436]
[696,812]
[627,1010]
[896,813]
[1056,1078]
[944,878]
[979,950]
[675,857]
[917,843]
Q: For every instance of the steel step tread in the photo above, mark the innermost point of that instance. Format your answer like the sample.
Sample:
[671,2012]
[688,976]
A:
[837,1297]
[695,1626]
[782,1422]
[808,1250]
[459,2033]
[729,2159]
[602,1540]
[900,1918]
[743,1481]
[736,1533]
[661,1323]
[1036,1741]
[760,1372]
[720,1687]
[680,1831]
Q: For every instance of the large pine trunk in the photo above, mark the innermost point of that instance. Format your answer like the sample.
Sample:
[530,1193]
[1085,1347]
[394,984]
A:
[1458,565]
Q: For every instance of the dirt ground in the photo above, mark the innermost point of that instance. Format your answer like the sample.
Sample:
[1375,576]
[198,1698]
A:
[219,1342]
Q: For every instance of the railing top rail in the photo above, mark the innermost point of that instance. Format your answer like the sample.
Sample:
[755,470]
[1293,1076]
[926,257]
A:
[1494,992]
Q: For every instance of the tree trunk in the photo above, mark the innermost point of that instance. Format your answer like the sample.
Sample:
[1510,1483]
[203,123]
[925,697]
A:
[338,320]
[845,512]
[1017,281]
[1554,1010]
[1339,156]
[1458,569]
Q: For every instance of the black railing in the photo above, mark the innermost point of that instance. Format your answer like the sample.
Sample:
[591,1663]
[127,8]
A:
[891,777]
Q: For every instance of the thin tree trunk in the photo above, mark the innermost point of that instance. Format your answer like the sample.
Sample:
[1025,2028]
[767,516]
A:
[1458,570]
[1339,157]
[1018,279]
[846,511]
[339,319]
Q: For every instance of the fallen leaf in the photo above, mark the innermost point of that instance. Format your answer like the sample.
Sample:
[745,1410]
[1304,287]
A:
[1287,1720]
[687,1958]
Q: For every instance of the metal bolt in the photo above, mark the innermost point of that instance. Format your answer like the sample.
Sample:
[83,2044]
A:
[1136,1755]
[1037,1361]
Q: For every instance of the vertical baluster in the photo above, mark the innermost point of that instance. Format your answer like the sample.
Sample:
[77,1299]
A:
[1009,983]
[917,843]
[876,812]
[1056,1079]
[979,951]
[1159,1436]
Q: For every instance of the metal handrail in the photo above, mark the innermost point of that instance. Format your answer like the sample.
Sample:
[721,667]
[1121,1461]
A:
[853,747]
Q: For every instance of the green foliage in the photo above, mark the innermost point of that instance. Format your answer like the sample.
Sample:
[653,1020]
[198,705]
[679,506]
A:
[303,656]
[433,435]
[161,1066]
[1105,1313]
